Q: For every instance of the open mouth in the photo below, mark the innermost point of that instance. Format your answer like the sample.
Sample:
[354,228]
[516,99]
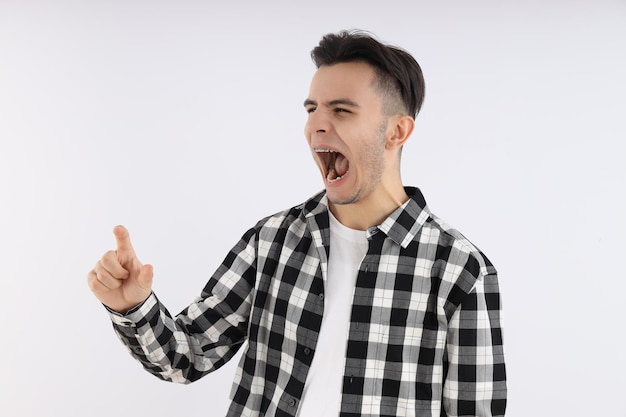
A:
[336,164]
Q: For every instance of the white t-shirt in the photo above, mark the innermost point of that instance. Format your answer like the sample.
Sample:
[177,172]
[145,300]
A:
[322,389]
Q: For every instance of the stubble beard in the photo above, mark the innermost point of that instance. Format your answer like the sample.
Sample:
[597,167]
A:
[372,157]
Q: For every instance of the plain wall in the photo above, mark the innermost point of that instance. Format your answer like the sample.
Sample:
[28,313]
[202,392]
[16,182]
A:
[184,121]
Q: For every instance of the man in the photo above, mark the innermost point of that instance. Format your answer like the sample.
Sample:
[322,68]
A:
[358,302]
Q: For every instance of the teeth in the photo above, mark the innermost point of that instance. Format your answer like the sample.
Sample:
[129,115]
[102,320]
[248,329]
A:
[331,174]
[332,180]
[323,150]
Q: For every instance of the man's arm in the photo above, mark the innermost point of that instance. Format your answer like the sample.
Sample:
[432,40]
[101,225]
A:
[475,382]
[202,337]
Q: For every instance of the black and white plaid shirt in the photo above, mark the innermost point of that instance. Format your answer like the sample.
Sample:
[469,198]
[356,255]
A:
[424,336]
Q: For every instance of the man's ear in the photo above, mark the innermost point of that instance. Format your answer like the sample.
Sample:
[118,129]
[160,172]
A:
[399,130]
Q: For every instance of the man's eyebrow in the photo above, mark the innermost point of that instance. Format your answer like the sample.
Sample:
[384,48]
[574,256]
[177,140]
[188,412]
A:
[336,102]
[343,102]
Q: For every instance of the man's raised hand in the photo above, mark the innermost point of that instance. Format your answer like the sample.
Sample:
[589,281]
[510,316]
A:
[119,280]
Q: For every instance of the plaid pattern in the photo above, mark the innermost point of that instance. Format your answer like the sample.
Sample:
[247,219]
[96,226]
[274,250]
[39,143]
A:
[424,336]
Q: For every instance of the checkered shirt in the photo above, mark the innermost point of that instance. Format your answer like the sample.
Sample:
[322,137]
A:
[424,337]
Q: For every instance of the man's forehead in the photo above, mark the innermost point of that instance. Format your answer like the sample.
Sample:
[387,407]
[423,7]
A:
[349,82]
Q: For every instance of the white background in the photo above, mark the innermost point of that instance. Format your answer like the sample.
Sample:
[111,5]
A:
[183,120]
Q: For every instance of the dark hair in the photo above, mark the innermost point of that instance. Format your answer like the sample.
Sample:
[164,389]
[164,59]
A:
[397,73]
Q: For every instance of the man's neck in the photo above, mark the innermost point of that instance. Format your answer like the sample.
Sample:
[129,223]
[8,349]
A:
[369,211]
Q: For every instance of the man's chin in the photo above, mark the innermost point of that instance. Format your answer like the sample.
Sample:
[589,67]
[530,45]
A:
[341,200]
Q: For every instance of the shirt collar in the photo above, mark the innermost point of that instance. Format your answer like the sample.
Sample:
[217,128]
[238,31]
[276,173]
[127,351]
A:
[401,226]
[405,222]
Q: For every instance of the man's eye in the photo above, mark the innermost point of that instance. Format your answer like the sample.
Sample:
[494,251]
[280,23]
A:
[342,110]
[310,109]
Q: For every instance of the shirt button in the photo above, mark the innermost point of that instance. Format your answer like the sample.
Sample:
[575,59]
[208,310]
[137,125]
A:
[321,296]
[307,351]
[292,402]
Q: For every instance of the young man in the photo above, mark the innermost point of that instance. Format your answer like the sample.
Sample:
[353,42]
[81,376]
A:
[358,302]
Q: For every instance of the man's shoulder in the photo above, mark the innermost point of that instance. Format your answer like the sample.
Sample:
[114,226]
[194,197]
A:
[294,216]
[426,227]
[452,244]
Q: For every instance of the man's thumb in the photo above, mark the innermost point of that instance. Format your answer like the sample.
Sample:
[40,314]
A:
[144,279]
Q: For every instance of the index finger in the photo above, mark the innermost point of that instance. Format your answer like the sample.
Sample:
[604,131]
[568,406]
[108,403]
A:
[122,238]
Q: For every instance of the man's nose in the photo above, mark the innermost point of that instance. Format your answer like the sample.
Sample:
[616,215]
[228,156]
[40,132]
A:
[317,123]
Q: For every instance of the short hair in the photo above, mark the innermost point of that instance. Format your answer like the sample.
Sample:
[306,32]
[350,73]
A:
[398,75]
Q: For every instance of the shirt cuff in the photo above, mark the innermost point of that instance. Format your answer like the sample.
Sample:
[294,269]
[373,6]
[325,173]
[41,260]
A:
[135,314]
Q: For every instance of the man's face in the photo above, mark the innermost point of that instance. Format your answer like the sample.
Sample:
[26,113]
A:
[346,131]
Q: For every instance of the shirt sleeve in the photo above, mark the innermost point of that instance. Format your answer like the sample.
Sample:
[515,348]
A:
[206,334]
[475,382]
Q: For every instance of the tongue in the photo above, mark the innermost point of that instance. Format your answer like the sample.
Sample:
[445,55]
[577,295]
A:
[341,165]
